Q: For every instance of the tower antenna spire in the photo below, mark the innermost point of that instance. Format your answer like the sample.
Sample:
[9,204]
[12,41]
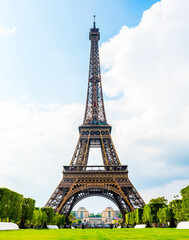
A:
[94,21]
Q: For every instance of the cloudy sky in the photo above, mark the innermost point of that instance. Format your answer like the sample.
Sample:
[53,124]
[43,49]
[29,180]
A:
[44,60]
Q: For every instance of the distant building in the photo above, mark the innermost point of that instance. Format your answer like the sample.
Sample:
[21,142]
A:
[105,217]
[81,213]
[110,213]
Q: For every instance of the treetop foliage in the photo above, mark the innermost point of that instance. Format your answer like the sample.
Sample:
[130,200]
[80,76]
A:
[185,202]
[28,206]
[159,200]
[10,205]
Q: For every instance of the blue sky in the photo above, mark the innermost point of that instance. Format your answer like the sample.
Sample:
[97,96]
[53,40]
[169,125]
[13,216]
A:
[49,52]
[44,61]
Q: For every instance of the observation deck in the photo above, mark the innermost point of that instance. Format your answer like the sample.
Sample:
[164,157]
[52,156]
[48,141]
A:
[95,168]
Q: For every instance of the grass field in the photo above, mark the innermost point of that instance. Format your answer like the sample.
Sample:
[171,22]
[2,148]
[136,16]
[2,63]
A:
[93,234]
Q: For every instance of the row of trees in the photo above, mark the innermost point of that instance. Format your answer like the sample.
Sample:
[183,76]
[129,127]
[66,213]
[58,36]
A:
[158,211]
[46,216]
[15,208]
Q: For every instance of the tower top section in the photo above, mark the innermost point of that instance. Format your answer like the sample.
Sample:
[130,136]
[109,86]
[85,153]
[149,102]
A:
[94,111]
[94,32]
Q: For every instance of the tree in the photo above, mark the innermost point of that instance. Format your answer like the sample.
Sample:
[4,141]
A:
[5,203]
[176,209]
[185,202]
[164,215]
[172,222]
[130,218]
[43,217]
[28,206]
[59,219]
[148,224]
[150,212]
[79,221]
[159,200]
[44,225]
[138,215]
[50,214]
[127,218]
[16,206]
[35,220]
[73,213]
[71,219]
[56,218]
[39,218]
[22,224]
[10,205]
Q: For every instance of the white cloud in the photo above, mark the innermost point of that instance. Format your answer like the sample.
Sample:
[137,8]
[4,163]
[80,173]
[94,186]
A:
[7,31]
[169,190]
[149,66]
[24,98]
[36,141]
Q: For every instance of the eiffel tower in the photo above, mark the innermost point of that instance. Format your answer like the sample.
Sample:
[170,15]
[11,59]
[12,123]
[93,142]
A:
[109,180]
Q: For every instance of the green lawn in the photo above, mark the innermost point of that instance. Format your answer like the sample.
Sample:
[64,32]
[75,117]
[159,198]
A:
[93,234]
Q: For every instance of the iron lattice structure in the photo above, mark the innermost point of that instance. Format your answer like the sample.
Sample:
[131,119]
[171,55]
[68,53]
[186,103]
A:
[109,180]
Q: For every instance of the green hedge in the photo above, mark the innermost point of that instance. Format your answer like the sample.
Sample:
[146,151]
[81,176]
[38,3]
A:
[150,212]
[10,205]
[50,214]
[185,202]
[138,215]
[28,206]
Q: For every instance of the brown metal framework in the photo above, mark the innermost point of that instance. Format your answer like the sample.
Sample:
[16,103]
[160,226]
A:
[81,180]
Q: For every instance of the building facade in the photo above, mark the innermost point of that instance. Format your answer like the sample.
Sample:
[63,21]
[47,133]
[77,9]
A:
[110,213]
[106,216]
[81,213]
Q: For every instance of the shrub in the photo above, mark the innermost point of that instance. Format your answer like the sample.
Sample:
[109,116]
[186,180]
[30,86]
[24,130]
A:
[150,212]
[164,215]
[138,215]
[50,214]
[185,202]
[176,209]
[10,205]
[28,206]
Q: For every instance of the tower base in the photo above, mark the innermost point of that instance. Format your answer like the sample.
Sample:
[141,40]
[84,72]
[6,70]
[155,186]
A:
[80,182]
